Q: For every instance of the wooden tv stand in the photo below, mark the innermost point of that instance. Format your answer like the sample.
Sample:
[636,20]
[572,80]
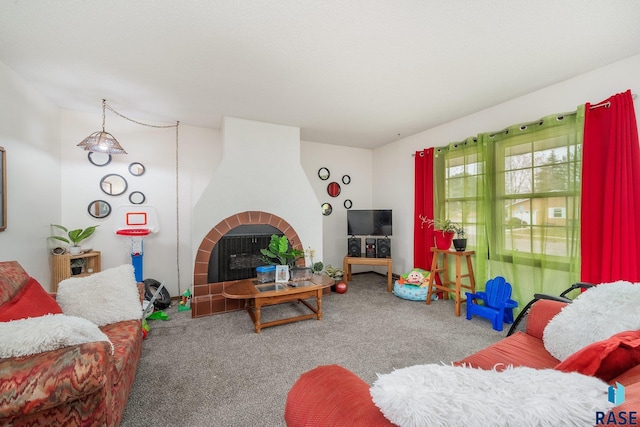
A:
[363,260]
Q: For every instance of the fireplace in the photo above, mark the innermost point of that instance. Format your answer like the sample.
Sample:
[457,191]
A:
[237,253]
[256,157]
[208,287]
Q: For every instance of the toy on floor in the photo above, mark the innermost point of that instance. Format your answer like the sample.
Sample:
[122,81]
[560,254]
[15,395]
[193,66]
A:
[185,302]
[413,285]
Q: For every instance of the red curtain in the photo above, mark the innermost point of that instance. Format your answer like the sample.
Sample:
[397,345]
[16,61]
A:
[610,209]
[423,209]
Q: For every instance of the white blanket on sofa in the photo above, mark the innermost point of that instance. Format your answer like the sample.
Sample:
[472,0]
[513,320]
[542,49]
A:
[442,395]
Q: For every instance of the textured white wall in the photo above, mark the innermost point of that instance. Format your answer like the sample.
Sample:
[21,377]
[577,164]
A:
[30,133]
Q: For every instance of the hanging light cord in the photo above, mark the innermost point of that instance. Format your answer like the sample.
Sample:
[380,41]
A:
[177,125]
[135,121]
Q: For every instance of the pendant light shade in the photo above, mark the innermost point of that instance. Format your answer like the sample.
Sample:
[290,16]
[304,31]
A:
[102,141]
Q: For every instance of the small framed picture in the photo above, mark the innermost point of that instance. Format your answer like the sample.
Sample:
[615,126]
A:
[282,273]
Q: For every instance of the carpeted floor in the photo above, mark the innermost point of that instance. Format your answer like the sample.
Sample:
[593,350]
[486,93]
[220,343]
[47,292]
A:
[216,371]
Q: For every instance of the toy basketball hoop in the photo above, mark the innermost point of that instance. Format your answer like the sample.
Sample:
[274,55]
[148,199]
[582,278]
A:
[134,222]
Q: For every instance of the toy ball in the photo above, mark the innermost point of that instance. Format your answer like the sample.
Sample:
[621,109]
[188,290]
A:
[341,287]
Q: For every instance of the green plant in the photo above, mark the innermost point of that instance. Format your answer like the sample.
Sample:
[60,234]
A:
[443,225]
[279,252]
[333,272]
[317,267]
[78,262]
[74,236]
[459,229]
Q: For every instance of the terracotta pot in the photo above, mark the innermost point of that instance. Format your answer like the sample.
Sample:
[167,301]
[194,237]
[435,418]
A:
[444,239]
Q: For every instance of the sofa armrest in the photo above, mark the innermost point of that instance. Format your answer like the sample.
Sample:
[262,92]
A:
[540,314]
[41,381]
[331,395]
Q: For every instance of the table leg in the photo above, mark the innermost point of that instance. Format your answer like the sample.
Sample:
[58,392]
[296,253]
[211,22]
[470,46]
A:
[256,321]
[432,277]
[319,302]
[458,284]
[389,275]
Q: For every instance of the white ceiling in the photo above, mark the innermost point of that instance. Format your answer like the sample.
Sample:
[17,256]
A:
[360,73]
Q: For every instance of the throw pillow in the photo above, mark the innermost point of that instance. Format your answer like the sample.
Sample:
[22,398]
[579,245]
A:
[442,395]
[594,315]
[605,359]
[46,333]
[31,301]
[106,297]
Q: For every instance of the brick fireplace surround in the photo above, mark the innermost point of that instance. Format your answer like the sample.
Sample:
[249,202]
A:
[207,297]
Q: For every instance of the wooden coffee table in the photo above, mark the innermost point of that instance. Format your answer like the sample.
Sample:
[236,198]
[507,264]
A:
[258,295]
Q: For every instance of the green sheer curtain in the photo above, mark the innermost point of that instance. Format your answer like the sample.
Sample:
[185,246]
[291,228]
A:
[460,189]
[536,170]
[517,191]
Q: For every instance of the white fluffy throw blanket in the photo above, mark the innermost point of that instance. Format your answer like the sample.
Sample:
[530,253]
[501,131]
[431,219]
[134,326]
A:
[440,395]
[595,315]
[39,334]
[107,297]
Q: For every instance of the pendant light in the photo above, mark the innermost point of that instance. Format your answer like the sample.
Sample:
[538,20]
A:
[102,141]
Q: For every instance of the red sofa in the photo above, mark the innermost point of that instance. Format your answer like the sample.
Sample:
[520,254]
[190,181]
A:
[84,384]
[334,396]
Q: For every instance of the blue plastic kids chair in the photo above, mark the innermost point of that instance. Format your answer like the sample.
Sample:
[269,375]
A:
[496,303]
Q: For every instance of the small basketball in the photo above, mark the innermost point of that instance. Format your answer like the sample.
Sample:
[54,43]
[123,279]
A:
[341,287]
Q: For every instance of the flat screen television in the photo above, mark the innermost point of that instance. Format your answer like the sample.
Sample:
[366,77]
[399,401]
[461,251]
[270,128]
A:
[371,222]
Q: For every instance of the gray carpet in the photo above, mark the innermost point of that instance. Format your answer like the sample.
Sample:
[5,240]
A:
[216,371]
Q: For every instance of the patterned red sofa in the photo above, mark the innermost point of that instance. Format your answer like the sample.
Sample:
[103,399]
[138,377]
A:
[85,384]
[331,395]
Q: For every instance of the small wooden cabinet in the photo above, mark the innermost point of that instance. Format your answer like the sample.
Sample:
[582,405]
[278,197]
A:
[61,266]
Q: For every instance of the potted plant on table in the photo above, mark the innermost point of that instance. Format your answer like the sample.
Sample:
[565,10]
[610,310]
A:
[74,237]
[445,230]
[460,242]
[76,265]
[281,253]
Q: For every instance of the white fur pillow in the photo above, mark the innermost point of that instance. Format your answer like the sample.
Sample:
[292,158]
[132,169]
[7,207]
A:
[106,297]
[595,315]
[24,337]
[441,395]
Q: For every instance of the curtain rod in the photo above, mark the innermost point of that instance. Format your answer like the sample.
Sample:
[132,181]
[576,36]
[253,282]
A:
[634,96]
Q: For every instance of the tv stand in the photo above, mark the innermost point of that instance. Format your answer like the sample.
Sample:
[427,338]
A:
[363,260]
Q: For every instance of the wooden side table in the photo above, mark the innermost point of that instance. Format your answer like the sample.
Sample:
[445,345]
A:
[439,277]
[348,261]
[61,266]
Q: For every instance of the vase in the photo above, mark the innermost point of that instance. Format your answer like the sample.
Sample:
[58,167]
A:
[444,239]
[460,244]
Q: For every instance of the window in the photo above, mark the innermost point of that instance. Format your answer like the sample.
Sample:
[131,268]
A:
[536,185]
[464,172]
[526,196]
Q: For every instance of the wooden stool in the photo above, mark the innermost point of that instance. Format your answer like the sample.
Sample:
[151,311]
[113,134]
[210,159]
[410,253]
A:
[442,282]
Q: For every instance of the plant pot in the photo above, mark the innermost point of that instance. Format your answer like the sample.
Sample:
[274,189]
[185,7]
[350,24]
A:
[76,270]
[460,244]
[75,250]
[444,239]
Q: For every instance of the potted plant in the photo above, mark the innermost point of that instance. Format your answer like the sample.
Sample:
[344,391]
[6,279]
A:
[445,230]
[280,253]
[460,242]
[74,236]
[76,265]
